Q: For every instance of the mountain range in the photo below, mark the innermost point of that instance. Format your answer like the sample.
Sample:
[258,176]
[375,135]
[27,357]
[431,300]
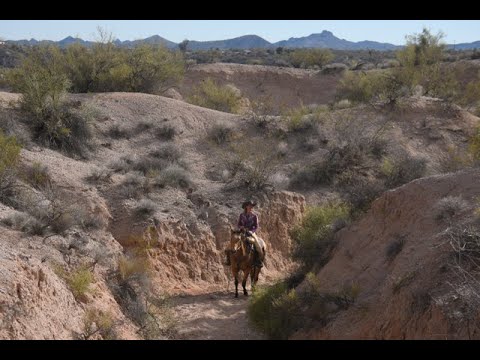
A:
[325,39]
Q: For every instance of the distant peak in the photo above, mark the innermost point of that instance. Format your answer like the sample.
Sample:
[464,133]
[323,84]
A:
[326,33]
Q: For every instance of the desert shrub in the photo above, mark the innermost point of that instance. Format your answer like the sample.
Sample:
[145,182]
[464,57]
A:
[318,173]
[360,192]
[106,67]
[154,69]
[455,159]
[135,185]
[98,322]
[90,221]
[143,126]
[122,165]
[146,165]
[79,281]
[165,132]
[338,159]
[167,152]
[299,119]
[25,223]
[175,176]
[474,145]
[307,58]
[213,96]
[314,236]
[132,289]
[279,311]
[43,85]
[275,311]
[54,210]
[9,156]
[448,207]
[420,62]
[378,87]
[402,169]
[37,175]
[161,321]
[220,133]
[253,161]
[145,208]
[260,110]
[99,175]
[470,97]
[394,248]
[118,132]
[133,268]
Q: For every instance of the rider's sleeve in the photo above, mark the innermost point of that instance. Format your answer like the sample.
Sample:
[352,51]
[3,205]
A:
[255,224]
[240,221]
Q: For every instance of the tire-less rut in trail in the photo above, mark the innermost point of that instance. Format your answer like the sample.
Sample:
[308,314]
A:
[214,316]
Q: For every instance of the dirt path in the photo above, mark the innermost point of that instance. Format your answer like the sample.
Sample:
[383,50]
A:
[214,316]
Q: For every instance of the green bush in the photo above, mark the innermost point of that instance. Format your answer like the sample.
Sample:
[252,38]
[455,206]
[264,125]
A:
[384,87]
[220,133]
[43,85]
[314,236]
[474,145]
[9,156]
[308,58]
[275,311]
[79,282]
[420,62]
[402,169]
[106,68]
[96,321]
[213,96]
[154,69]
[299,119]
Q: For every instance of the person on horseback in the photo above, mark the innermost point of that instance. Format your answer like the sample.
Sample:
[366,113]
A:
[248,223]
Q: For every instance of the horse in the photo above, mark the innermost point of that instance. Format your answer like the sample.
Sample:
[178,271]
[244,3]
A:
[243,258]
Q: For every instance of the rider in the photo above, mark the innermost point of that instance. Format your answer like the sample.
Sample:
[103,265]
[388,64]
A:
[248,221]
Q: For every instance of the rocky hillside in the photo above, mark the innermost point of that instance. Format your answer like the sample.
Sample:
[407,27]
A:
[186,231]
[402,256]
[164,186]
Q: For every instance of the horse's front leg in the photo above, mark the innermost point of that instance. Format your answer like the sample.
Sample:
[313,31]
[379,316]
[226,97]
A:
[254,277]
[244,282]
[235,276]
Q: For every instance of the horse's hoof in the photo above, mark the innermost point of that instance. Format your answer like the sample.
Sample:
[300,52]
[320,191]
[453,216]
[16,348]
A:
[236,295]
[245,293]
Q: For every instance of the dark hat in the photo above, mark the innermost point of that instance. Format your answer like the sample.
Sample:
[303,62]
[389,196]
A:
[248,202]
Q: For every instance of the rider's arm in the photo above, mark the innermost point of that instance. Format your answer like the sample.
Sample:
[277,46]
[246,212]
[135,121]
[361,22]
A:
[240,222]
[255,224]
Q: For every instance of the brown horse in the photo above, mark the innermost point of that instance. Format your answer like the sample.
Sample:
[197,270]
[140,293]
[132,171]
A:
[242,258]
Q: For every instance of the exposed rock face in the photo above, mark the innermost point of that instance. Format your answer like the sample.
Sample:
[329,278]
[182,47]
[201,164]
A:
[189,255]
[34,302]
[414,295]
[285,86]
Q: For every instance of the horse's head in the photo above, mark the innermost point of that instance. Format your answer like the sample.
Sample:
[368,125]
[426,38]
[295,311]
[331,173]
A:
[235,234]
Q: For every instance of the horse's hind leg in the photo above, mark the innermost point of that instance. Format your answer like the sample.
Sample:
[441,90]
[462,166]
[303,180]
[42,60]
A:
[244,282]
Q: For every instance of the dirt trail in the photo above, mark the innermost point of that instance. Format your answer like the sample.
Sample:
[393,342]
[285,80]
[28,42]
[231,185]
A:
[214,316]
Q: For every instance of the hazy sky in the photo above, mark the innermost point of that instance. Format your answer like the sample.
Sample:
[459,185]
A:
[392,31]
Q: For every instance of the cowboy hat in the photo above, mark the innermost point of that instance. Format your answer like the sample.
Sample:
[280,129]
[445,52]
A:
[248,202]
